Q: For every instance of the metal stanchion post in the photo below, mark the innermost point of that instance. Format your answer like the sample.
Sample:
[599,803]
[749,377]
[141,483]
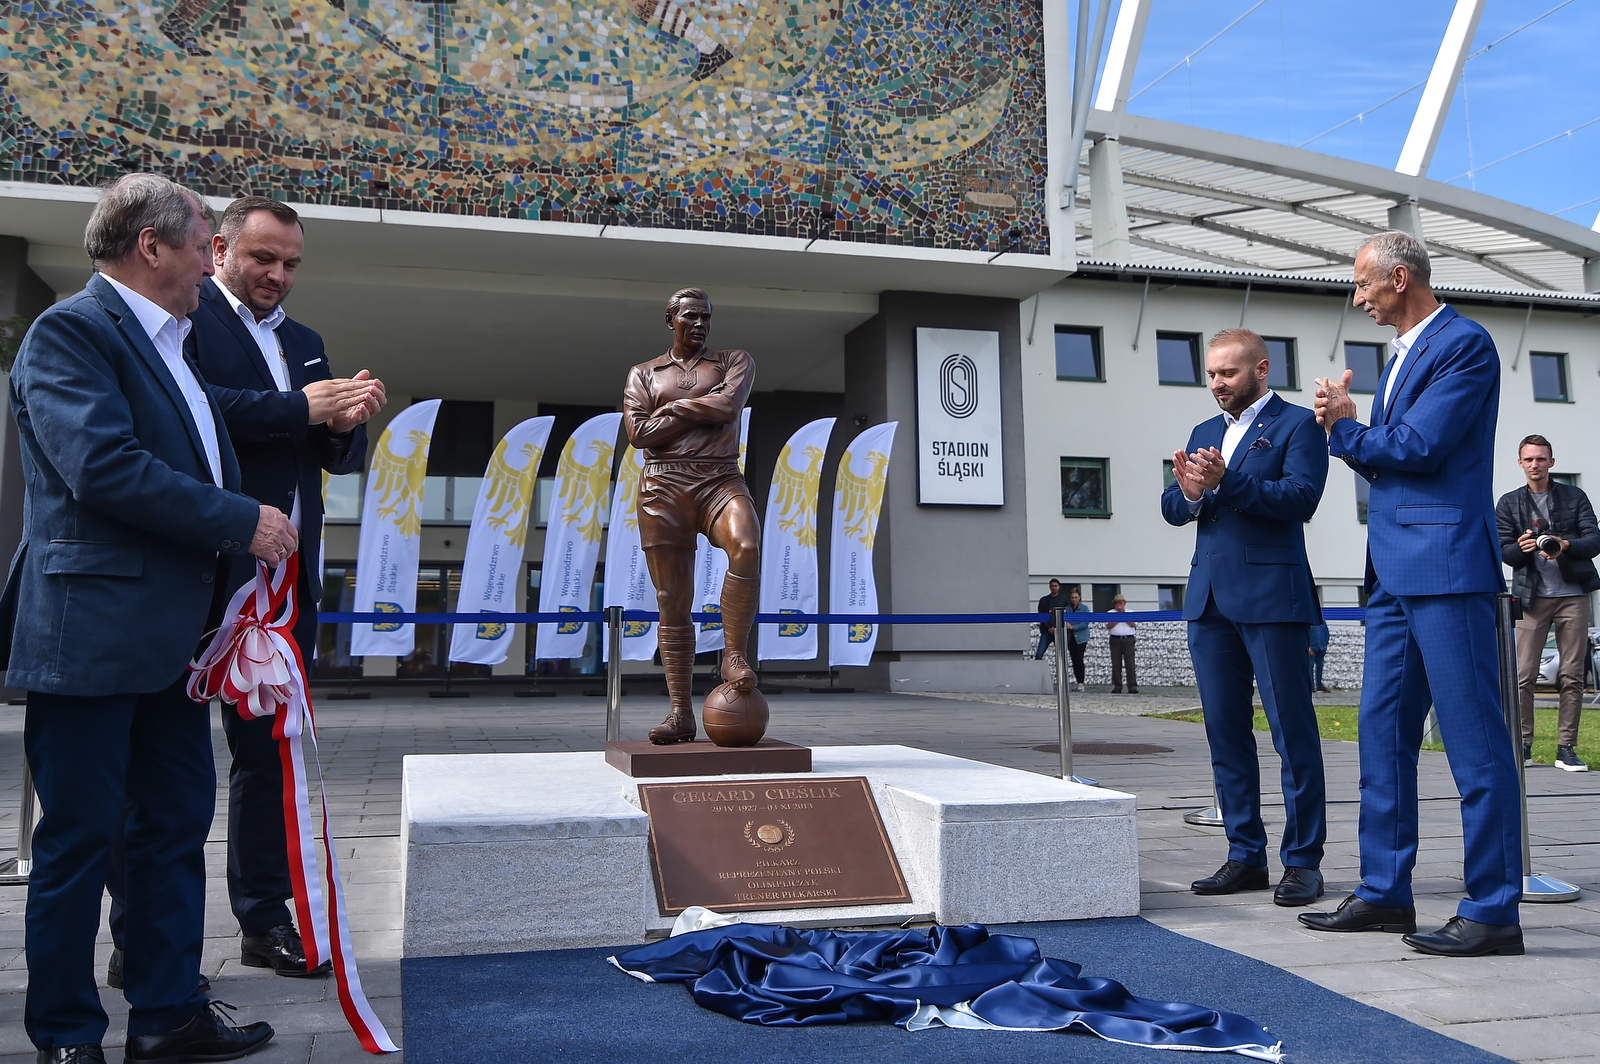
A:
[14,871]
[1535,888]
[614,674]
[1064,705]
[1209,817]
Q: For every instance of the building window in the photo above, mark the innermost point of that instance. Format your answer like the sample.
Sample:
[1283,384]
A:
[1365,363]
[1078,354]
[1103,596]
[1363,495]
[1283,372]
[1549,372]
[1178,358]
[1565,478]
[450,499]
[1086,487]
[463,439]
[1168,476]
[342,498]
[1169,596]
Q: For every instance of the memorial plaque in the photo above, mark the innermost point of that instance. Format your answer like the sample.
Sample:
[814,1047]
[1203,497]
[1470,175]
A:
[748,845]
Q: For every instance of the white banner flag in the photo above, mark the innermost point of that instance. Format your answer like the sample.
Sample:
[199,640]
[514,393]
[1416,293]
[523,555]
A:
[789,543]
[572,539]
[391,532]
[857,500]
[710,566]
[493,562]
[628,581]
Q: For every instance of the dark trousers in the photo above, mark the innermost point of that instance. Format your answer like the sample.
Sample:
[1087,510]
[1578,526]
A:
[1046,637]
[1317,658]
[1076,649]
[1437,650]
[1122,653]
[1227,655]
[259,888]
[96,761]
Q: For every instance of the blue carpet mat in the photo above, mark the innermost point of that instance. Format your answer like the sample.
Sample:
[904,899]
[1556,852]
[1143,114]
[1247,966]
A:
[570,1005]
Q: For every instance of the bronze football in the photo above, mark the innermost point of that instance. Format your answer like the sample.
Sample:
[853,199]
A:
[735,718]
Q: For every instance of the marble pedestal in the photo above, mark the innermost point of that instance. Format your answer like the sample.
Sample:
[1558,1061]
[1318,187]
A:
[515,852]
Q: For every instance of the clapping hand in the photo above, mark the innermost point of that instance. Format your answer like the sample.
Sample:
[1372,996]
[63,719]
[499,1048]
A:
[359,406]
[1198,473]
[1333,401]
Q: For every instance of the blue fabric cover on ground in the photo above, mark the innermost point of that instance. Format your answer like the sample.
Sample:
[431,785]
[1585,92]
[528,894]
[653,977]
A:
[783,977]
[569,1006]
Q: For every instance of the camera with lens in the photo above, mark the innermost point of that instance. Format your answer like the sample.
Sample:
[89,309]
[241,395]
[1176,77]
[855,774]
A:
[1543,539]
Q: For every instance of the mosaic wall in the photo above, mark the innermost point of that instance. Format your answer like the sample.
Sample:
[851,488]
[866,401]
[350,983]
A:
[899,121]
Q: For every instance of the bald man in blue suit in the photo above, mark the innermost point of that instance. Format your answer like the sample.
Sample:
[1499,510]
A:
[1433,569]
[1249,480]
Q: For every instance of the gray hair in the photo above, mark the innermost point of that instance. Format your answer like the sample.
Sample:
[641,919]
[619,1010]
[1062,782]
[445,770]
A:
[1395,247]
[136,202]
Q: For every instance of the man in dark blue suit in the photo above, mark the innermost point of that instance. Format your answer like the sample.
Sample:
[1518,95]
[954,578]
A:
[1250,478]
[133,508]
[288,421]
[1433,569]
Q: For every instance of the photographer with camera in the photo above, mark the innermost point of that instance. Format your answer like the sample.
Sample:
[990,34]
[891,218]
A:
[1548,535]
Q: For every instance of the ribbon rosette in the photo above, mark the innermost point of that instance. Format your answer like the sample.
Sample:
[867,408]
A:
[254,664]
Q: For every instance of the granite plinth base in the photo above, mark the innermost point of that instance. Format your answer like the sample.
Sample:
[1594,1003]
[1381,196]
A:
[702,758]
[513,852]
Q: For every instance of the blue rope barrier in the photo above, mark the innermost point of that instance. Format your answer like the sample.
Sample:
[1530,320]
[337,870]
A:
[1333,613]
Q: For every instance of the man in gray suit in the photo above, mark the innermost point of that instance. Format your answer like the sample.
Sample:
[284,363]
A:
[133,507]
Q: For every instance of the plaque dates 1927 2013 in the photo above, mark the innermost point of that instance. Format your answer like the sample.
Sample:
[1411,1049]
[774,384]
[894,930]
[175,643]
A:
[769,844]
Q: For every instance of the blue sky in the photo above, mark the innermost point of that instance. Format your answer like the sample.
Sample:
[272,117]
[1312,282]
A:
[1294,68]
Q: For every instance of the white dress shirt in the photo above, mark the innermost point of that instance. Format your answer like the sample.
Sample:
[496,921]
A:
[1402,345]
[265,334]
[1233,434]
[167,334]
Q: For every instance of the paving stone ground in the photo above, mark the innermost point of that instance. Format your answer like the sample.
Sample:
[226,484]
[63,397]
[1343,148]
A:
[1541,1007]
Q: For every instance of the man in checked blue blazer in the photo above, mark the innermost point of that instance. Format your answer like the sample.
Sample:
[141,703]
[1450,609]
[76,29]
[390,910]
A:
[1433,569]
[1250,478]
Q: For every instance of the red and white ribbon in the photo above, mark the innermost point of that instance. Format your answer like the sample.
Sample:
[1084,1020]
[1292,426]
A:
[254,663]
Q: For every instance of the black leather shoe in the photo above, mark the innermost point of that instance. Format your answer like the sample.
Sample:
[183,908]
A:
[1231,878]
[281,950]
[114,974]
[87,1054]
[209,1036]
[1299,886]
[1354,914]
[1460,937]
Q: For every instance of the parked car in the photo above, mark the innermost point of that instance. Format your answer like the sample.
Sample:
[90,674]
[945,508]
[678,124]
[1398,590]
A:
[1550,659]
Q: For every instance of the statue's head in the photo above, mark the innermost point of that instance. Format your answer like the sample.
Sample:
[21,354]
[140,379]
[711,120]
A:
[689,317]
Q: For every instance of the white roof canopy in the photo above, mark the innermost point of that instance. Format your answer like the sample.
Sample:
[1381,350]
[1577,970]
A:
[1196,197]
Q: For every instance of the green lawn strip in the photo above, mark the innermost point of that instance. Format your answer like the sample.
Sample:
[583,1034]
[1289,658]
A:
[1339,722]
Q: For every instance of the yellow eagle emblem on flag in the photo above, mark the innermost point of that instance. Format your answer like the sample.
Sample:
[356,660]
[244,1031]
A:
[862,497]
[510,492]
[583,488]
[796,494]
[399,481]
